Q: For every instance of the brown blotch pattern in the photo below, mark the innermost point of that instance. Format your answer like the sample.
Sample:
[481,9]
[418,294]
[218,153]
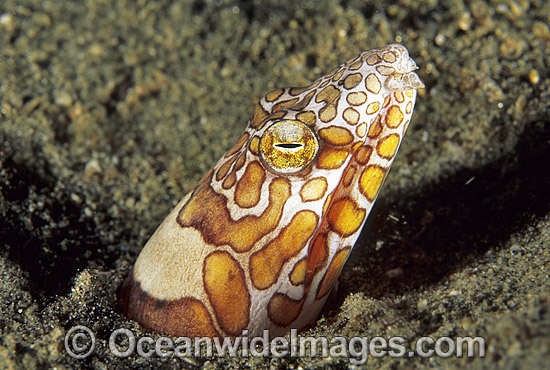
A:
[267,263]
[186,316]
[304,102]
[328,95]
[229,181]
[224,169]
[373,84]
[308,118]
[238,145]
[259,116]
[356,98]
[283,310]
[338,75]
[328,113]
[375,128]
[373,59]
[333,271]
[207,212]
[239,163]
[348,176]
[389,57]
[317,255]
[356,65]
[225,285]
[352,80]
[284,104]
[274,95]
[363,154]
[249,187]
[298,90]
[385,70]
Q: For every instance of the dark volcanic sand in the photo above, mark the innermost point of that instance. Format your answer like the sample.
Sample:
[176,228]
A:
[111,111]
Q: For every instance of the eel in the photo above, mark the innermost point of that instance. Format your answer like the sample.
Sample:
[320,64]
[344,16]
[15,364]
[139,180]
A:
[260,241]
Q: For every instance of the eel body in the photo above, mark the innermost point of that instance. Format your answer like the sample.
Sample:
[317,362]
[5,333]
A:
[260,241]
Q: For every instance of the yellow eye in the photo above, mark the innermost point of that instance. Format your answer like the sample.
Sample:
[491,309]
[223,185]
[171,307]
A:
[288,146]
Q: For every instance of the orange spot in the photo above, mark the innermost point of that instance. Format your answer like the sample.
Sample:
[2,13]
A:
[388,145]
[370,181]
[254,145]
[248,190]
[298,273]
[335,135]
[283,310]
[267,263]
[387,101]
[207,212]
[333,271]
[314,189]
[225,285]
[345,217]
[330,158]
[394,116]
[373,108]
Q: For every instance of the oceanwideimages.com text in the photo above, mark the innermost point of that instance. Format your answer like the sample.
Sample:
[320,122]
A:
[80,343]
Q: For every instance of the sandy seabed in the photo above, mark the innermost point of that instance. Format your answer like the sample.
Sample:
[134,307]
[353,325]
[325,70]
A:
[110,112]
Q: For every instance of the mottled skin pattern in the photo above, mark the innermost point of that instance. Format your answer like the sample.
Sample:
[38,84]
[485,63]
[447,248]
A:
[260,241]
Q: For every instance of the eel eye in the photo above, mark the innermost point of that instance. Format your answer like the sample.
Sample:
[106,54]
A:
[288,146]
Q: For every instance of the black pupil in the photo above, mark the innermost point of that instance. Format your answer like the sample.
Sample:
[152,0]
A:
[288,145]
